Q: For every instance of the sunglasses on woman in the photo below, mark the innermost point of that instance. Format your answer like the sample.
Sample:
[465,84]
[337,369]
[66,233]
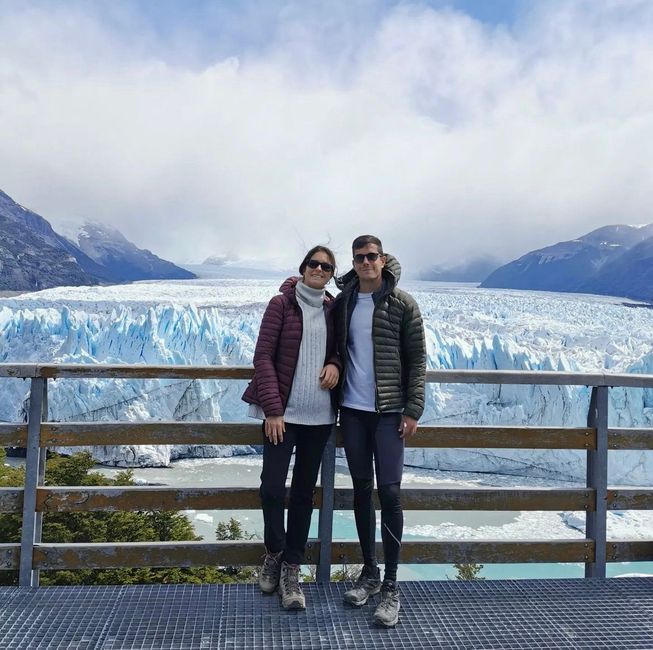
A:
[325,266]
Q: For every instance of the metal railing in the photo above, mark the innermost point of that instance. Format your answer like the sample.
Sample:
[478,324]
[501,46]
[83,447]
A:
[34,499]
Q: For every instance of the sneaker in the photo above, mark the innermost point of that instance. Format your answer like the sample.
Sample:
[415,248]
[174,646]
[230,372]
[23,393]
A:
[387,611]
[268,581]
[292,596]
[368,584]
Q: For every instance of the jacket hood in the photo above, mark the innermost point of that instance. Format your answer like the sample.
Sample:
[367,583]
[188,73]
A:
[287,287]
[391,274]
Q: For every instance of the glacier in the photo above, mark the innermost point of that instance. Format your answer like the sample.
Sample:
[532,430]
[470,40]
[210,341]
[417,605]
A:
[215,321]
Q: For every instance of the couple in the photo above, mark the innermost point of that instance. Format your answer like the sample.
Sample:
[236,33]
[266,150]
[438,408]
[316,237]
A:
[369,343]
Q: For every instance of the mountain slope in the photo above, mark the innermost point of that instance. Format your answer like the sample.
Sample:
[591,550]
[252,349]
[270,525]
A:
[33,256]
[599,262]
[629,275]
[112,251]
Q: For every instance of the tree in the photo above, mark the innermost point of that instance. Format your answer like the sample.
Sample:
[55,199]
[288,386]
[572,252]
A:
[233,530]
[92,527]
[468,571]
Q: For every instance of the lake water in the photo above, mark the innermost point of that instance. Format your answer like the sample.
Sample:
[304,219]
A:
[244,471]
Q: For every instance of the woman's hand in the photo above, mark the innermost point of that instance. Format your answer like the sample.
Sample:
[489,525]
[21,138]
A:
[275,427]
[329,376]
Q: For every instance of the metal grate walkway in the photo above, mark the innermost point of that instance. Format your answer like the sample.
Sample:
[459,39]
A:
[553,614]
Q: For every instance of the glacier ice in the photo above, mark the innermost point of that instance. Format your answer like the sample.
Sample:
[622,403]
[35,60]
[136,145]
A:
[214,321]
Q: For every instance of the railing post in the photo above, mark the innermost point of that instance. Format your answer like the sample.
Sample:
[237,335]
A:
[27,577]
[43,454]
[325,525]
[597,479]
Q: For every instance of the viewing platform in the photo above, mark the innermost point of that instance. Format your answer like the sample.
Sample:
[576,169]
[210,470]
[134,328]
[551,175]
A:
[594,612]
[504,615]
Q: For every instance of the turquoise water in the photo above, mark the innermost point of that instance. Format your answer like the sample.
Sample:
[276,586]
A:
[244,471]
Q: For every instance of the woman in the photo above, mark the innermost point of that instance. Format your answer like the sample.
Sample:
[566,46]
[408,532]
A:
[295,368]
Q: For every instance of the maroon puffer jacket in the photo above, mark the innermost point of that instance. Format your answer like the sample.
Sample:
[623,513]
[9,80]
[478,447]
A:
[277,350]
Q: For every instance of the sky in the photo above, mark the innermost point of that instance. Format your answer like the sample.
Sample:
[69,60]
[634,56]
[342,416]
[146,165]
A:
[256,129]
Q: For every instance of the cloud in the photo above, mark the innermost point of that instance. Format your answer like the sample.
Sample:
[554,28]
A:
[445,136]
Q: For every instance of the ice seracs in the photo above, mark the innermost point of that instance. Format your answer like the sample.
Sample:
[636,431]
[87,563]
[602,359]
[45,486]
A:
[210,321]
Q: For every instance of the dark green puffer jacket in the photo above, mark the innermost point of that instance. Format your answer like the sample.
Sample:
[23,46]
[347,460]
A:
[398,336]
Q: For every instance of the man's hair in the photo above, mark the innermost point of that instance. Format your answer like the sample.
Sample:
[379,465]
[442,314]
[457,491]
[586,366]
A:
[363,240]
[317,249]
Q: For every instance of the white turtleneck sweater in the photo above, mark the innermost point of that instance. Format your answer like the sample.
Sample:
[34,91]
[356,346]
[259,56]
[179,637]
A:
[308,403]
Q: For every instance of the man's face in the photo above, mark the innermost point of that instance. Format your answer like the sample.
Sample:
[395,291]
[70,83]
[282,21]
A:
[367,269]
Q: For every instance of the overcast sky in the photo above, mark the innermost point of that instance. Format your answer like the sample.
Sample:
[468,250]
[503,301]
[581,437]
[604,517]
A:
[257,129]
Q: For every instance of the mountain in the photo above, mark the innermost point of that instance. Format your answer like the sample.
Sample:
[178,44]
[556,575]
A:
[122,260]
[629,275]
[609,261]
[33,256]
[474,270]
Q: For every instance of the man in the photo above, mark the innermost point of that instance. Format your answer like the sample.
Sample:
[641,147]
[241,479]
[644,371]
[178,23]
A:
[381,395]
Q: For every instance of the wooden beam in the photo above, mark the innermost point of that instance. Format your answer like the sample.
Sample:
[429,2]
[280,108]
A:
[482,437]
[485,551]
[76,434]
[13,435]
[506,499]
[630,499]
[70,434]
[630,438]
[630,551]
[155,554]
[11,499]
[121,498]
[244,553]
[138,371]
[9,556]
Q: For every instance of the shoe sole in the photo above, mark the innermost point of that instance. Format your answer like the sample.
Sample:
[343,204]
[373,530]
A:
[294,605]
[270,591]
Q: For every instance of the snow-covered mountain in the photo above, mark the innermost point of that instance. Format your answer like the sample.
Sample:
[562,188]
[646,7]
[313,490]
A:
[474,270]
[613,260]
[216,322]
[122,260]
[33,256]
[235,267]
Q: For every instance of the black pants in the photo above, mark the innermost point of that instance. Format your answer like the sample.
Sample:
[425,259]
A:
[374,438]
[308,441]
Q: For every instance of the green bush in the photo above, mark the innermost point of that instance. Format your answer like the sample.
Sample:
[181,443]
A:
[94,527]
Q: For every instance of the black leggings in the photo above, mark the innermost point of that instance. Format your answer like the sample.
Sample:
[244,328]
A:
[371,437]
[309,442]
[392,523]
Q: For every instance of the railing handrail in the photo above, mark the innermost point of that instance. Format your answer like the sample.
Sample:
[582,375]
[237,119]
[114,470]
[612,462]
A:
[442,376]
[596,438]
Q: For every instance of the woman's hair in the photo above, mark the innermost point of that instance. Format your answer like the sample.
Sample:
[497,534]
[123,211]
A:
[318,249]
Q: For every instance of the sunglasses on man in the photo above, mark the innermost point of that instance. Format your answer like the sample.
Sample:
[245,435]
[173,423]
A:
[359,258]
[325,266]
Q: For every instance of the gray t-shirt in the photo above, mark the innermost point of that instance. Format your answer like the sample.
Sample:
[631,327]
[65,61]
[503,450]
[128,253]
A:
[360,384]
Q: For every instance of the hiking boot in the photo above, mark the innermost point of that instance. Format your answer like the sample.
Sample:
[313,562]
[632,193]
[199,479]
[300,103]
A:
[268,581]
[368,584]
[387,611]
[292,596]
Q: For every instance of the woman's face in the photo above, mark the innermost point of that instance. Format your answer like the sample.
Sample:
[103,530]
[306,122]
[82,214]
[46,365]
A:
[317,278]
